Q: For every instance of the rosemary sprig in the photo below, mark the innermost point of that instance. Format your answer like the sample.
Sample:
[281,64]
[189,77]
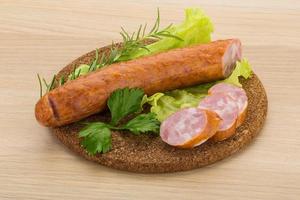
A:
[41,86]
[48,86]
[135,41]
[93,66]
[62,80]
[131,43]
[75,74]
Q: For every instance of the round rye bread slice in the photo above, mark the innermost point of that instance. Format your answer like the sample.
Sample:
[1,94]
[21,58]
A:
[147,153]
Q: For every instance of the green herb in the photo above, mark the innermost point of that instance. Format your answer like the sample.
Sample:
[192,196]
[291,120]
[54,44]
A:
[94,63]
[112,56]
[135,41]
[41,86]
[62,80]
[49,86]
[122,102]
[75,74]
[131,44]
[142,123]
[96,138]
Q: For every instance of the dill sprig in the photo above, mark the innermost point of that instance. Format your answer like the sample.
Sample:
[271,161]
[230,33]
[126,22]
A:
[117,53]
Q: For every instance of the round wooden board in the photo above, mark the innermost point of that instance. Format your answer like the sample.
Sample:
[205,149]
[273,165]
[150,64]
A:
[149,154]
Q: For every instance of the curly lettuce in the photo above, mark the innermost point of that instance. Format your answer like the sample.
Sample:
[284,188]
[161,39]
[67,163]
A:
[242,69]
[195,29]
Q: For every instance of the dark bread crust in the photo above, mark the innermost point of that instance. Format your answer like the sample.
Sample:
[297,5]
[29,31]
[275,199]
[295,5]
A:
[149,154]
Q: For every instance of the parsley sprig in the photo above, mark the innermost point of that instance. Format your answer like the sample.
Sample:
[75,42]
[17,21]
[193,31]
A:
[142,123]
[122,102]
[96,137]
[117,53]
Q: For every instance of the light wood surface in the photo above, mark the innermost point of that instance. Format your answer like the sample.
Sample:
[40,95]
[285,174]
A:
[43,36]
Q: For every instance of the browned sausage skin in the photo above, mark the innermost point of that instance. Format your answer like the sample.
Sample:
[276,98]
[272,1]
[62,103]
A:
[169,70]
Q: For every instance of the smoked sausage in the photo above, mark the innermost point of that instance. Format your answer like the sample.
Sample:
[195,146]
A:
[237,93]
[189,127]
[161,72]
[226,107]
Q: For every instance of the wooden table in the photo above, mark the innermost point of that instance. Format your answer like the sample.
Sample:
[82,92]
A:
[43,36]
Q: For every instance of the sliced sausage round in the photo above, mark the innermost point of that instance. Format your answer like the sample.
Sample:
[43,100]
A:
[237,93]
[227,109]
[189,127]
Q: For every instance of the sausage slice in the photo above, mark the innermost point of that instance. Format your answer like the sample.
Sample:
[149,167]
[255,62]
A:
[237,93]
[227,109]
[189,127]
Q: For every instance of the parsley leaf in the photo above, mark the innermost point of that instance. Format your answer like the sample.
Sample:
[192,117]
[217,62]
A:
[123,102]
[142,123]
[97,137]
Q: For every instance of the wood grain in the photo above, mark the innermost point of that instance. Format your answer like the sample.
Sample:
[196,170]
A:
[43,36]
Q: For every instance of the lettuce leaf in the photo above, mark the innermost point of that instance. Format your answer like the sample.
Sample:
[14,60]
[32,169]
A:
[243,69]
[165,104]
[80,70]
[195,29]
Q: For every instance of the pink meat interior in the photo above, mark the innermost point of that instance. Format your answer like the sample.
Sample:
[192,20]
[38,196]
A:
[224,106]
[232,54]
[237,93]
[183,125]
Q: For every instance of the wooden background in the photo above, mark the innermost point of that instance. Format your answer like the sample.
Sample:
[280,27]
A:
[43,36]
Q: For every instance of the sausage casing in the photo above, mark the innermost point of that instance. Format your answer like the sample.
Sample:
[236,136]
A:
[161,72]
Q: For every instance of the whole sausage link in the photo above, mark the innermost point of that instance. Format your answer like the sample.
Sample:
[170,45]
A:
[165,71]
